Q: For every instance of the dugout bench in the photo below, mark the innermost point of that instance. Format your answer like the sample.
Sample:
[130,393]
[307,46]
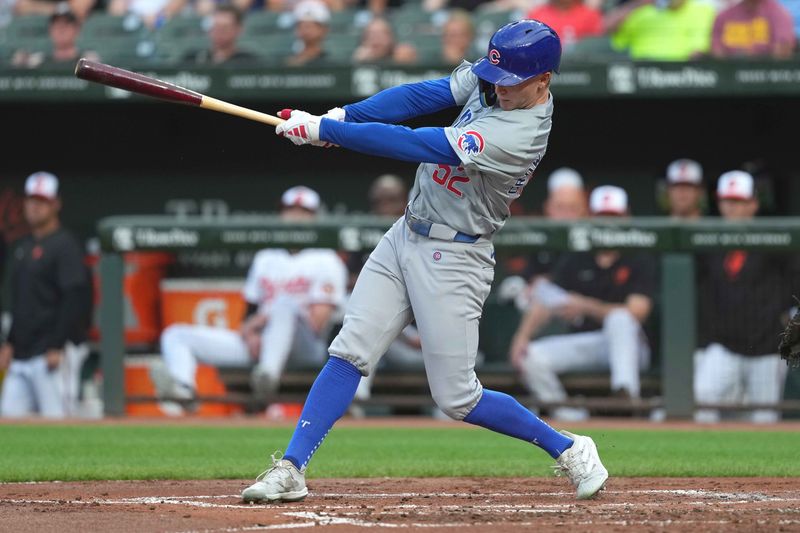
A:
[674,241]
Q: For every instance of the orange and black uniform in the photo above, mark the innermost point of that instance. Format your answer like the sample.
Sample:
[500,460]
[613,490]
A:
[742,296]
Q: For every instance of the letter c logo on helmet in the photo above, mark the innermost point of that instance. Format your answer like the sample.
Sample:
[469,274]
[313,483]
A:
[519,51]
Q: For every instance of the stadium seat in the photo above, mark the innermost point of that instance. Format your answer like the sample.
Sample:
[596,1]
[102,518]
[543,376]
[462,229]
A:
[27,33]
[103,26]
[344,21]
[592,49]
[270,48]
[340,47]
[411,20]
[179,36]
[267,23]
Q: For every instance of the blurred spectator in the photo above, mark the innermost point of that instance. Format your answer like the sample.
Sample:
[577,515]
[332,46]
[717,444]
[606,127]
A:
[458,34]
[754,28]
[662,30]
[605,297]
[743,298]
[378,45]
[312,18]
[80,8]
[51,305]
[388,196]
[572,20]
[154,13]
[685,189]
[291,298]
[63,29]
[226,26]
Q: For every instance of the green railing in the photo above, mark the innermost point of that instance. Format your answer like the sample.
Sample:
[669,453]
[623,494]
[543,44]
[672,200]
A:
[675,242]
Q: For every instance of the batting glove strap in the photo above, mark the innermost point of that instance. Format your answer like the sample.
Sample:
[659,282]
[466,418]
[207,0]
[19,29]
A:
[300,128]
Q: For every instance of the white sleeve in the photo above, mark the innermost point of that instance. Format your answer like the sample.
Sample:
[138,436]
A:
[252,288]
[499,144]
[330,283]
[462,82]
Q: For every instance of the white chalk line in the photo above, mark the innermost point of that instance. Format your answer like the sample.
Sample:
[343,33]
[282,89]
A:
[330,515]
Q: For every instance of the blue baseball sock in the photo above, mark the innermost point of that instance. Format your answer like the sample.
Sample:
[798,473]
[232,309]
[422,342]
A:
[327,401]
[502,413]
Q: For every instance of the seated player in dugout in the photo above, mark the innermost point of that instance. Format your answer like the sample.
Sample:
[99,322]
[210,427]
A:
[566,201]
[436,264]
[291,297]
[604,296]
[744,298]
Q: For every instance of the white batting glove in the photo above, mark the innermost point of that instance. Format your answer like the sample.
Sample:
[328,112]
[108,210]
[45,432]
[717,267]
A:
[300,127]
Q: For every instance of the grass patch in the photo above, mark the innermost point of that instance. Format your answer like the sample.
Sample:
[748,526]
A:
[97,452]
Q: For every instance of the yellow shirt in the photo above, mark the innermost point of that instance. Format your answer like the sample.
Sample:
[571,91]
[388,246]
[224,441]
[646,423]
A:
[666,34]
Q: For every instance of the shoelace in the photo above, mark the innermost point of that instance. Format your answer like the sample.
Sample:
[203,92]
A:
[275,465]
[575,475]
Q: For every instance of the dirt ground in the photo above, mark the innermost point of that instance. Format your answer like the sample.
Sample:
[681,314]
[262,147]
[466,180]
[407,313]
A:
[345,505]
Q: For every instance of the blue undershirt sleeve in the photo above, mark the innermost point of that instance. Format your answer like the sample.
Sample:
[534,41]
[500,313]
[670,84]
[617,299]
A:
[422,145]
[403,102]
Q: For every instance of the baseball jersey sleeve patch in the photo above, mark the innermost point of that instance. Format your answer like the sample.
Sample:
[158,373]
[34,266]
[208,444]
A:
[471,142]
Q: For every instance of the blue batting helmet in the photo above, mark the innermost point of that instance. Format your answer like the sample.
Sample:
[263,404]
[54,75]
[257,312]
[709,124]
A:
[519,51]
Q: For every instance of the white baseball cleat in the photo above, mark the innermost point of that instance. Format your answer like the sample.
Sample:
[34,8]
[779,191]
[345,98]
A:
[582,465]
[282,482]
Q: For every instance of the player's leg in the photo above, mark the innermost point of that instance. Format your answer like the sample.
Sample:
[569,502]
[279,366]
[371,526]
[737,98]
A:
[627,352]
[286,339]
[549,357]
[377,311]
[449,285]
[74,357]
[184,345]
[17,399]
[764,381]
[48,389]
[717,380]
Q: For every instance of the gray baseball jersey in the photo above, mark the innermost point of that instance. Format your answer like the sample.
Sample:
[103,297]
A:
[443,284]
[499,151]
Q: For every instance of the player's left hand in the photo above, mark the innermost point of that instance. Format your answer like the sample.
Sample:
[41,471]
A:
[53,358]
[302,128]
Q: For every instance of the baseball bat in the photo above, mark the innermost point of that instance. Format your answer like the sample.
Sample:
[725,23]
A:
[141,84]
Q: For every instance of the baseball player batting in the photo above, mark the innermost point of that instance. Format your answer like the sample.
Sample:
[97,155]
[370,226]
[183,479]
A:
[436,264]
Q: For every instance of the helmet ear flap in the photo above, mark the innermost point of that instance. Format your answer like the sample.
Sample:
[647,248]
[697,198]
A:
[488,96]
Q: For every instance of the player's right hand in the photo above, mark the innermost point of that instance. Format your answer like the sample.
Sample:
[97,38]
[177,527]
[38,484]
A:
[518,352]
[303,128]
[6,354]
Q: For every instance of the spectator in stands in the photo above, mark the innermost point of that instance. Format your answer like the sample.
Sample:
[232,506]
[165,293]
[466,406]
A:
[662,30]
[154,13]
[378,45]
[80,8]
[571,19]
[226,26]
[458,34]
[604,296]
[63,29]
[743,298]
[291,297]
[754,28]
[51,301]
[685,189]
[312,18]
